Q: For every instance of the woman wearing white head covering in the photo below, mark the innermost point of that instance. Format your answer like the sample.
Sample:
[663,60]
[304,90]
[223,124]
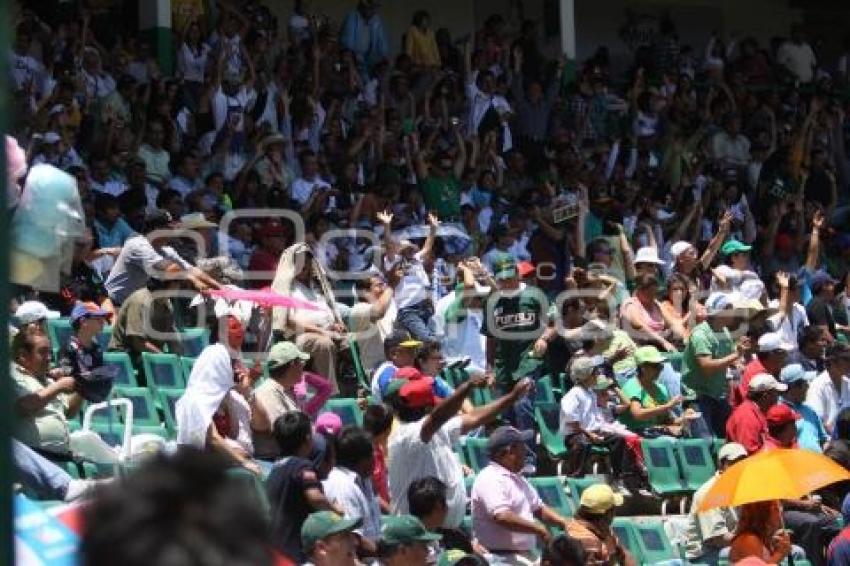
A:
[218,409]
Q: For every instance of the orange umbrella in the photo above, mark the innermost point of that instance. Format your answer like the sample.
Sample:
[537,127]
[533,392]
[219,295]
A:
[771,475]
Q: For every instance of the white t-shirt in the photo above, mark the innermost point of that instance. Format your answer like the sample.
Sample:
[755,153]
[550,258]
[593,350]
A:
[192,64]
[302,189]
[462,338]
[370,335]
[789,327]
[824,400]
[799,59]
[25,68]
[410,459]
[233,106]
[579,406]
[357,499]
[415,285]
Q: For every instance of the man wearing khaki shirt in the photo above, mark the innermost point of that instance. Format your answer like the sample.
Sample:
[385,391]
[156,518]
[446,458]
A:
[277,395]
[42,405]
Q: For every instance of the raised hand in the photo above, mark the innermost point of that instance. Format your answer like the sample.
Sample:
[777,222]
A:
[385,217]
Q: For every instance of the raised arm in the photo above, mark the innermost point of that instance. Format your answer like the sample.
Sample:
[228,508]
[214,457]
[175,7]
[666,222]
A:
[428,246]
[814,241]
[717,240]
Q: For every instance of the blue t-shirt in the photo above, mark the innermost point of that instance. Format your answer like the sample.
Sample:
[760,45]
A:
[811,433]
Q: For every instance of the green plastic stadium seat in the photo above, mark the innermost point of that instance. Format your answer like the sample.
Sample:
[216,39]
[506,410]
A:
[696,461]
[476,453]
[126,375]
[653,542]
[347,408]
[167,401]
[627,535]
[577,487]
[144,408]
[194,341]
[104,337]
[59,332]
[660,459]
[544,392]
[187,364]
[162,370]
[546,416]
[551,491]
[359,370]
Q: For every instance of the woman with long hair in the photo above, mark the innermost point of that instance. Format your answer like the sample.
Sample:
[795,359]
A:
[680,305]
[759,533]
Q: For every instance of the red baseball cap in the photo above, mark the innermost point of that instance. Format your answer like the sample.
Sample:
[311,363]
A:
[525,268]
[418,393]
[780,414]
[409,372]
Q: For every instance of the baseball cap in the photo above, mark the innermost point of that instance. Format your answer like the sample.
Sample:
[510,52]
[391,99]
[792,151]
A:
[323,524]
[503,436]
[765,382]
[195,221]
[88,309]
[752,289]
[600,498]
[284,352]
[795,372]
[647,255]
[525,268]
[408,372]
[401,339]
[820,279]
[583,366]
[393,388]
[417,394]
[734,246]
[717,303]
[780,414]
[648,355]
[772,341]
[679,248]
[456,556]
[731,451]
[34,311]
[405,529]
[504,267]
[328,423]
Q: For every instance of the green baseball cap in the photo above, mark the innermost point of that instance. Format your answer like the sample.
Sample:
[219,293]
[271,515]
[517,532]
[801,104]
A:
[602,383]
[648,355]
[393,389]
[733,246]
[323,524]
[457,556]
[406,529]
[504,267]
[284,352]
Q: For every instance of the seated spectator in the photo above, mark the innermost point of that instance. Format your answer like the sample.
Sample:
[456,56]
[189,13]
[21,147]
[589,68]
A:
[422,444]
[838,450]
[32,317]
[591,527]
[650,404]
[405,541]
[44,400]
[508,516]
[371,319]
[680,306]
[710,532]
[819,309]
[643,317]
[614,345]
[83,353]
[264,260]
[400,351]
[563,550]
[294,483]
[145,323]
[812,346]
[218,408]
[378,421]
[760,533]
[44,479]
[583,425]
[747,425]
[811,434]
[829,391]
[781,427]
[770,358]
[328,539]
[349,485]
[276,395]
[111,230]
[838,552]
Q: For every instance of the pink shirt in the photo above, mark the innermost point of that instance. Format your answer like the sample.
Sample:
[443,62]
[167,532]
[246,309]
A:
[497,489]
[651,319]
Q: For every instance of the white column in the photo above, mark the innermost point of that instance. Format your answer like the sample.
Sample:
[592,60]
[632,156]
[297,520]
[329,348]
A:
[568,27]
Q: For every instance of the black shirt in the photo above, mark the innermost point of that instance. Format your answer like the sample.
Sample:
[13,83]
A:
[820,313]
[287,484]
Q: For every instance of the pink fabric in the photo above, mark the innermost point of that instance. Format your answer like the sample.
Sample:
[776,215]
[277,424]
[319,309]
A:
[329,423]
[497,489]
[651,319]
[322,392]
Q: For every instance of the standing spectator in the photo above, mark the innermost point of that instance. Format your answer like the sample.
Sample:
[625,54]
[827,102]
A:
[591,527]
[363,34]
[747,425]
[378,421]
[508,515]
[820,310]
[830,390]
[422,444]
[294,483]
[811,434]
[154,154]
[709,353]
[349,485]
[420,43]
[329,539]
[797,56]
[710,532]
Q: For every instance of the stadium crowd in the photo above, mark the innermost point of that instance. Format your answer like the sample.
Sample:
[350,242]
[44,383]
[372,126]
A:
[472,267]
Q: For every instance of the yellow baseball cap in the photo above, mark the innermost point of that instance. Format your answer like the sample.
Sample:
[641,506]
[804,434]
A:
[600,498]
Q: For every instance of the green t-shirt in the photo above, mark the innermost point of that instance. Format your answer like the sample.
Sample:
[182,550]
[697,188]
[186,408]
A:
[516,321]
[47,429]
[442,195]
[703,341]
[633,390]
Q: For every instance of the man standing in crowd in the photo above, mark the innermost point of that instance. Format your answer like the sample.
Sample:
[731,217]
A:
[830,390]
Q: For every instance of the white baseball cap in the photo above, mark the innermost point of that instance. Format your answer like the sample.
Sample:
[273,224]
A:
[772,341]
[717,303]
[766,382]
[752,289]
[647,255]
[34,311]
[679,248]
